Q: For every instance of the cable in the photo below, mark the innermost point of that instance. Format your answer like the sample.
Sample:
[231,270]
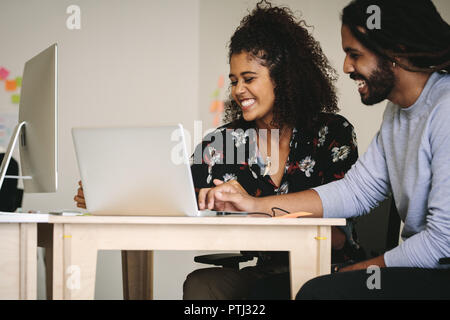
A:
[276,208]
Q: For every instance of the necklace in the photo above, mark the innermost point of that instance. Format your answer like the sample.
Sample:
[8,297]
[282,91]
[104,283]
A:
[268,161]
[267,166]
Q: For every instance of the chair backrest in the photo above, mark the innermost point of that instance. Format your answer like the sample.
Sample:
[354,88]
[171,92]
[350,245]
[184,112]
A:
[10,195]
[379,231]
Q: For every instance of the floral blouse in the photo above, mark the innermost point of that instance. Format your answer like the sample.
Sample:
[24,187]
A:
[317,156]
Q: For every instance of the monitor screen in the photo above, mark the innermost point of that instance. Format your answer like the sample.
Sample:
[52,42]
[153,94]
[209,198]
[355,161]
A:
[36,132]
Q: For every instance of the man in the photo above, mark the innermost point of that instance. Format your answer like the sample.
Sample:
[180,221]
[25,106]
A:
[404,58]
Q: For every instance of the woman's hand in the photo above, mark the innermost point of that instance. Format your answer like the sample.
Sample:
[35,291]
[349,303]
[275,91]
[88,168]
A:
[79,198]
[226,196]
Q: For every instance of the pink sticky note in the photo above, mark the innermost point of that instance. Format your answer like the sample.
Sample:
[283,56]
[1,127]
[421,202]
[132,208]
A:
[3,73]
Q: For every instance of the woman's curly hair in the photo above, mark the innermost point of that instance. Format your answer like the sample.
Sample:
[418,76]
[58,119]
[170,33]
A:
[303,77]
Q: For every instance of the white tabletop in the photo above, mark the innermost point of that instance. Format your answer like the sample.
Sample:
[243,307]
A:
[13,217]
[225,220]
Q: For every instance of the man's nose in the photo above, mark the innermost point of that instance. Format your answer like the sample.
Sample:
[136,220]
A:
[348,66]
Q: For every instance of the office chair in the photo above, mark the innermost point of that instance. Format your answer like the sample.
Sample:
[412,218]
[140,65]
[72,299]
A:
[226,260]
[10,195]
[375,239]
[377,233]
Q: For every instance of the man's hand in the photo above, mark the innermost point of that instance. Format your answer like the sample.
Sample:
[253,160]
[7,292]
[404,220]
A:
[226,196]
[363,265]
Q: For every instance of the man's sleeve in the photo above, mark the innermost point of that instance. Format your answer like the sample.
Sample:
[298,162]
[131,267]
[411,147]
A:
[364,186]
[426,247]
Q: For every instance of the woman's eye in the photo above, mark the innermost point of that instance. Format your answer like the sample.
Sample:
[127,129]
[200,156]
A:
[248,80]
[233,83]
[354,56]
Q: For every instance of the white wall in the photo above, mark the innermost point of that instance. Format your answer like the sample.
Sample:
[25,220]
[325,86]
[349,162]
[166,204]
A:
[132,63]
[143,62]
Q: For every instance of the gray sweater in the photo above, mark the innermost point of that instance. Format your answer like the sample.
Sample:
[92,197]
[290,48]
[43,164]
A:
[410,157]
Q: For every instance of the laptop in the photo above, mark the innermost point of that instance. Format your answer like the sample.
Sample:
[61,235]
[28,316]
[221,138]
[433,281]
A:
[138,171]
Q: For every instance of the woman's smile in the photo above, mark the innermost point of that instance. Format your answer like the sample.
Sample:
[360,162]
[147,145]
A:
[252,88]
[246,104]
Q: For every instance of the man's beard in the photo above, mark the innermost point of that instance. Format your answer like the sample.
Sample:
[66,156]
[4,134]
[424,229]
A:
[379,84]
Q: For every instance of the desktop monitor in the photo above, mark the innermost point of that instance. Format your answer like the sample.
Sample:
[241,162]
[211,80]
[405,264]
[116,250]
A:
[36,131]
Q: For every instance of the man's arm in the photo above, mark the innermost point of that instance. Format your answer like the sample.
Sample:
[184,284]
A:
[425,248]
[363,187]
[233,194]
[363,265]
[306,201]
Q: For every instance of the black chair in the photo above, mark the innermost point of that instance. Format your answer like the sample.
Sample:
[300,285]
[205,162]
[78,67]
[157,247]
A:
[10,195]
[375,239]
[377,233]
[226,260]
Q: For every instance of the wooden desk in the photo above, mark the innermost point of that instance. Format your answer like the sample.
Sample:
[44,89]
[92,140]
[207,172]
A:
[18,255]
[76,241]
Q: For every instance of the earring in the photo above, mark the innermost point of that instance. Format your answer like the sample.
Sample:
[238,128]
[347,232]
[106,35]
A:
[394,64]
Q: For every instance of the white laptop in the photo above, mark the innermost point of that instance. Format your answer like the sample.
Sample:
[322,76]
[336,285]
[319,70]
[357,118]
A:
[141,171]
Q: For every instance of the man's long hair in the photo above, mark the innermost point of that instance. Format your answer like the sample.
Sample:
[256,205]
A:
[411,29]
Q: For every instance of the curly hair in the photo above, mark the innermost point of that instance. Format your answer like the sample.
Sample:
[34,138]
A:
[303,77]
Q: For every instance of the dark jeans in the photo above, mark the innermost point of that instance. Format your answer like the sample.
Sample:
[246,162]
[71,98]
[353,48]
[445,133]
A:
[394,283]
[232,284]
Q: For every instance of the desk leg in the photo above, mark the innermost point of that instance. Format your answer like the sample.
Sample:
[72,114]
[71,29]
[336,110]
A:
[74,263]
[28,261]
[57,263]
[137,275]
[311,258]
[80,263]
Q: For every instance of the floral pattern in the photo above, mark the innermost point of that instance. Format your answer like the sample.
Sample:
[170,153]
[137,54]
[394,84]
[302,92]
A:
[307,165]
[229,176]
[354,140]
[239,137]
[340,153]
[283,189]
[316,156]
[322,136]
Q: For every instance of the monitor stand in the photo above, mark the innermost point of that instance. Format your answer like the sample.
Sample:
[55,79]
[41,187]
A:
[8,154]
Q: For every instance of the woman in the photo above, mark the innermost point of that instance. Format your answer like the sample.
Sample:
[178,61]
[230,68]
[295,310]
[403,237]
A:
[283,136]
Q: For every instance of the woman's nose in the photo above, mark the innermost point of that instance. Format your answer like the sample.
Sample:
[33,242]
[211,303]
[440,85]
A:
[240,87]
